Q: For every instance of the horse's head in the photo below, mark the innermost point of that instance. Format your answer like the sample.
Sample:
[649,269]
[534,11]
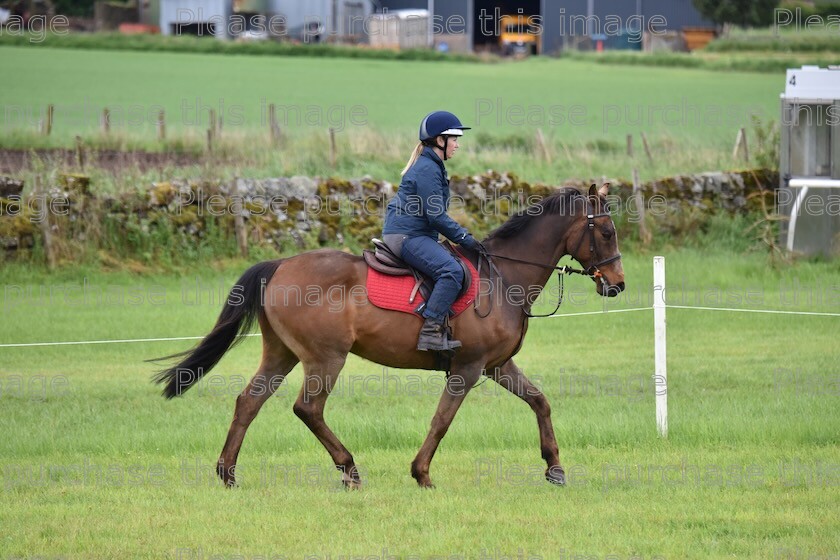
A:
[593,242]
[567,222]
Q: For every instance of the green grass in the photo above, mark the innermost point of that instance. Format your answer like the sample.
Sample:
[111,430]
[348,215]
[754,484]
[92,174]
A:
[749,394]
[814,41]
[726,59]
[585,111]
[392,95]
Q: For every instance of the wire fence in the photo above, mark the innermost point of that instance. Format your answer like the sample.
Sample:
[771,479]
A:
[562,315]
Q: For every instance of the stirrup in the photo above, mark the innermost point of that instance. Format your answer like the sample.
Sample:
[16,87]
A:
[438,340]
[446,345]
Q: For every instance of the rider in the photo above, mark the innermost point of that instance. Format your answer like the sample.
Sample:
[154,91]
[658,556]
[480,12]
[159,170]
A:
[417,214]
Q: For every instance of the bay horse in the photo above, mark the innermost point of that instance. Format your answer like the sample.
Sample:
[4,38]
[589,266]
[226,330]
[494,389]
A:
[524,251]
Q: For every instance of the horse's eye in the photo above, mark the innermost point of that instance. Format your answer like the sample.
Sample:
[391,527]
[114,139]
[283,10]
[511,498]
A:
[607,233]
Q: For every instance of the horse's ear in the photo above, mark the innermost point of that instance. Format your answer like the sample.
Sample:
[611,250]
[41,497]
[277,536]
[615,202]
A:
[593,191]
[604,190]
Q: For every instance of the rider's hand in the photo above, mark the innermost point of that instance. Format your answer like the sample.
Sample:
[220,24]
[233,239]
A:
[469,242]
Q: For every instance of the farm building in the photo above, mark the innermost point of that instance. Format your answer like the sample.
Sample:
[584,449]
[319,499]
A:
[310,20]
[474,25]
[541,26]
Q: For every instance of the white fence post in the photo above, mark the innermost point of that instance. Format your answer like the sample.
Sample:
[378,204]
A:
[660,376]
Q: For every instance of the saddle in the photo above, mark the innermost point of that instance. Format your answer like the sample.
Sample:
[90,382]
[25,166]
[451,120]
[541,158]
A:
[390,294]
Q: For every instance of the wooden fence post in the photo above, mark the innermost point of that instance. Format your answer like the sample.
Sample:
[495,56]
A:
[44,225]
[647,147]
[542,145]
[737,143]
[241,234]
[48,121]
[211,129]
[240,230]
[741,144]
[80,153]
[333,150]
[272,124]
[630,145]
[106,120]
[644,234]
[161,125]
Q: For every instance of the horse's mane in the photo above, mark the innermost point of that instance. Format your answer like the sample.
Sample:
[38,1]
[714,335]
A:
[560,201]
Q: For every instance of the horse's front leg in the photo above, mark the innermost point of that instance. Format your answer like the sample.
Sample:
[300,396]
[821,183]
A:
[511,378]
[457,386]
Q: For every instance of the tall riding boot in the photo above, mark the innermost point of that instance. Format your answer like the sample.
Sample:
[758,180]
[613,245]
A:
[433,336]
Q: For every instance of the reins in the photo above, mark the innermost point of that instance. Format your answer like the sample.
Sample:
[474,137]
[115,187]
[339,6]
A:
[592,271]
[561,270]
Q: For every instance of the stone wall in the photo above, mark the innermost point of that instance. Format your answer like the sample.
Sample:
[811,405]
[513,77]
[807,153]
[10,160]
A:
[297,213]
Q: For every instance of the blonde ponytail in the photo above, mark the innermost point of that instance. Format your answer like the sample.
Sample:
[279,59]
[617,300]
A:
[414,155]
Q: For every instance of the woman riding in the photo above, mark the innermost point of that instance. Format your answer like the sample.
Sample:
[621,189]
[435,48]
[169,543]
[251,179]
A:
[417,214]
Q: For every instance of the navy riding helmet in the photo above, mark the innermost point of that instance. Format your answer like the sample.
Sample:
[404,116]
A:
[441,123]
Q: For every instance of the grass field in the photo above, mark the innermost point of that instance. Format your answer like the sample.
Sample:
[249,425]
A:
[584,109]
[96,464]
[389,93]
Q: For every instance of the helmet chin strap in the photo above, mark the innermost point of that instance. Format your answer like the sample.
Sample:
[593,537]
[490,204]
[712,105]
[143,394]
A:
[445,147]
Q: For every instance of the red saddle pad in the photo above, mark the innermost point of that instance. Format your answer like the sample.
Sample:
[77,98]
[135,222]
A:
[393,292]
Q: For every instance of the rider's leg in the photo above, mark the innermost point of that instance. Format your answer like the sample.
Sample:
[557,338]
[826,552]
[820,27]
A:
[426,255]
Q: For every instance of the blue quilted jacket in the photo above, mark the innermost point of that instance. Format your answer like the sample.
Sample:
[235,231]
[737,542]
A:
[420,205]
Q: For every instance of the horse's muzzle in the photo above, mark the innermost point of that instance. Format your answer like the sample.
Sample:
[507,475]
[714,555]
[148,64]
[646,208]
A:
[614,289]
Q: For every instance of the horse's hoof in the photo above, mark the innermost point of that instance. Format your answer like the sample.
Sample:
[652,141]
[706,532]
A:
[556,475]
[350,477]
[425,483]
[227,475]
[352,484]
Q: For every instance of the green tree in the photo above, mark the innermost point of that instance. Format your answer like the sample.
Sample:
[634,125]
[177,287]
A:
[744,13]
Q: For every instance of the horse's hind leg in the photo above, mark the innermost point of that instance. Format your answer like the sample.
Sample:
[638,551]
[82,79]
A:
[277,362]
[319,380]
[457,386]
[511,378]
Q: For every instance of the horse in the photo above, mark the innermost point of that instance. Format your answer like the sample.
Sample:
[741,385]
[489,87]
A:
[525,251]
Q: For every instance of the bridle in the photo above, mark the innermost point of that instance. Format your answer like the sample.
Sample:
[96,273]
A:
[592,271]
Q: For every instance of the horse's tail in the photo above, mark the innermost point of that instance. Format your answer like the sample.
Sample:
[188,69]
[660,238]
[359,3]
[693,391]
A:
[241,309]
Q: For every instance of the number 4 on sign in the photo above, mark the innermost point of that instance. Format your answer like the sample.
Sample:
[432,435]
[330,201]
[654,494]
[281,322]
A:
[792,80]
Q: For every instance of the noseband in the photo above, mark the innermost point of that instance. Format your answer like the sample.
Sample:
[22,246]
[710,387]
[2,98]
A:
[593,270]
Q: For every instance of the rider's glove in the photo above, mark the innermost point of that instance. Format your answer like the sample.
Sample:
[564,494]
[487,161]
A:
[469,242]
